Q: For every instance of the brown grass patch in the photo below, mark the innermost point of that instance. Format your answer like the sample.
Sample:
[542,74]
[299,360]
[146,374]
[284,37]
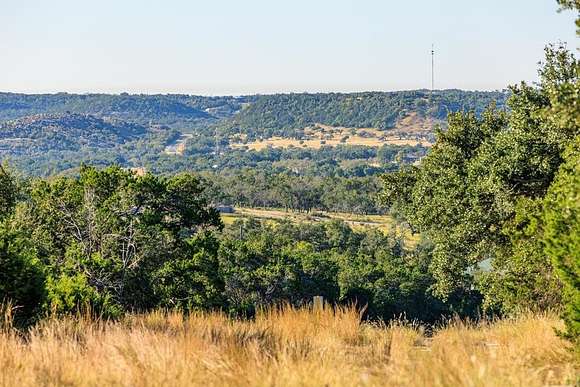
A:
[284,347]
[408,131]
[384,223]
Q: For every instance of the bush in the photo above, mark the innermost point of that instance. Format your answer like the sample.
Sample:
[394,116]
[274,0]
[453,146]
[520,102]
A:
[21,275]
[73,293]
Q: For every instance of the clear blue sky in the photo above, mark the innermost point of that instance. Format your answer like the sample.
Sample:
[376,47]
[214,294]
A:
[217,47]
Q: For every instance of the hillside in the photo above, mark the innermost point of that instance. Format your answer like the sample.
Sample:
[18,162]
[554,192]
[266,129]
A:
[49,133]
[286,115]
[64,132]
[411,130]
[179,110]
[379,110]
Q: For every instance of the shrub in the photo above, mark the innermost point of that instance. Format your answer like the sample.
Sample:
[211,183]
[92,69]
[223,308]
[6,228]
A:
[21,275]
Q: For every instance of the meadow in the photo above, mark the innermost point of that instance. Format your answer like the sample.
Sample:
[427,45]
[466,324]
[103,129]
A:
[358,222]
[284,347]
[383,222]
[410,131]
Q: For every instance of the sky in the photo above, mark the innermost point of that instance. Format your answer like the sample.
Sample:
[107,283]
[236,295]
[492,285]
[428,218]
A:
[233,47]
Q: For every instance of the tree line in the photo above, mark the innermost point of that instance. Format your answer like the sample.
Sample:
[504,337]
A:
[112,242]
[288,114]
[255,188]
[502,190]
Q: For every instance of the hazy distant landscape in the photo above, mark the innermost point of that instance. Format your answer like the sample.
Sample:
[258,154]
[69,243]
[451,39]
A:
[41,133]
[422,237]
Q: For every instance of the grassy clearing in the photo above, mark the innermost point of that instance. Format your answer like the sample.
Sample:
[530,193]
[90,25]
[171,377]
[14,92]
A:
[409,132]
[281,142]
[385,223]
[285,347]
[382,221]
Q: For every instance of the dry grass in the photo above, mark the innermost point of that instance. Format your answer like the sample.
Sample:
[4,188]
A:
[324,135]
[283,142]
[286,347]
[415,125]
[384,223]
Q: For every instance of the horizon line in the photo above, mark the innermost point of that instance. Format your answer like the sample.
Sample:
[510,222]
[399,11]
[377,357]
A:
[169,93]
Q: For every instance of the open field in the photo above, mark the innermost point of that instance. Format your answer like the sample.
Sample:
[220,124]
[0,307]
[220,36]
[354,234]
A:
[409,131]
[281,142]
[286,347]
[384,223]
[177,147]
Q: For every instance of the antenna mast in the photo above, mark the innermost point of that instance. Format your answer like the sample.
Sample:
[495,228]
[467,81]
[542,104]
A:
[432,67]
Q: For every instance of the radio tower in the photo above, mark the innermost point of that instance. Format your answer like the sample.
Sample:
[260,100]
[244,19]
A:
[432,68]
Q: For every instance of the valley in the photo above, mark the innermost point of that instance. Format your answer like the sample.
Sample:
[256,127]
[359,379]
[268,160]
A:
[297,224]
[40,134]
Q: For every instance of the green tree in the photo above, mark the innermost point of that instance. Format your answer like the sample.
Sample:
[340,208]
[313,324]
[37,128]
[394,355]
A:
[269,267]
[109,239]
[477,195]
[192,281]
[21,275]
[562,235]
[8,192]
[21,272]
[390,284]
[573,5]
[436,200]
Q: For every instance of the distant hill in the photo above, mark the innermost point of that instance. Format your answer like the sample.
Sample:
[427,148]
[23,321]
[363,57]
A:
[180,111]
[45,134]
[284,114]
[64,132]
[257,115]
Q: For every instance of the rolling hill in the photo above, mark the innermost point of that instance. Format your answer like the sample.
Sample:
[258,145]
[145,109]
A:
[286,115]
[64,132]
[183,111]
[48,133]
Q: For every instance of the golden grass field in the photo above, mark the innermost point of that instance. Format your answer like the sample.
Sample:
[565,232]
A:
[385,223]
[408,131]
[315,143]
[284,347]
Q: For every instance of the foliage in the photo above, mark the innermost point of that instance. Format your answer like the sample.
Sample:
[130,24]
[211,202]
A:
[252,188]
[495,201]
[52,133]
[562,234]
[108,238]
[477,196]
[109,241]
[391,283]
[288,114]
[192,282]
[573,5]
[21,275]
[37,134]
[8,192]
[171,109]
[268,268]
[435,199]
[265,264]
